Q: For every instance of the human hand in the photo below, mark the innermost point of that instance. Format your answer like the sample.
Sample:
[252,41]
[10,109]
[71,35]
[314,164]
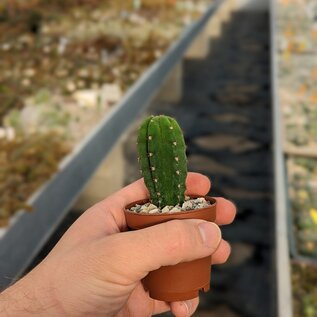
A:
[96,268]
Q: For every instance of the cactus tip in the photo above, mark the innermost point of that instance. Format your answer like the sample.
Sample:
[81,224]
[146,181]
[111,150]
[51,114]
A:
[162,152]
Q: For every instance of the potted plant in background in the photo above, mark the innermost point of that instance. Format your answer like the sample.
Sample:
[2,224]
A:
[163,163]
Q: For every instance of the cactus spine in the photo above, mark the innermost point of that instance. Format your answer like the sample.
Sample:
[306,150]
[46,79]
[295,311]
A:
[162,159]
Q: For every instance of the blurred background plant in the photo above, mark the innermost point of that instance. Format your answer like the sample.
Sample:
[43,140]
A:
[63,65]
[305,292]
[297,26]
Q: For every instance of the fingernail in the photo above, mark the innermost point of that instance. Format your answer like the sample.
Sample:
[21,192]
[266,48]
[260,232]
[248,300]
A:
[210,234]
[234,204]
[188,306]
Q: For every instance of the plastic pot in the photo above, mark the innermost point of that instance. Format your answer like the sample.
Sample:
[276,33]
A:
[184,280]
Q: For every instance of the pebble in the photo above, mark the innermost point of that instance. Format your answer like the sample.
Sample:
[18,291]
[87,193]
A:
[70,86]
[63,42]
[189,204]
[83,73]
[6,47]
[111,93]
[26,82]
[62,73]
[81,84]
[86,98]
[136,208]
[47,49]
[10,133]
[7,133]
[30,72]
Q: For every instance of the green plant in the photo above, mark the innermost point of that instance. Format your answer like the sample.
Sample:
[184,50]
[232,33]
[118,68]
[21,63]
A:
[162,159]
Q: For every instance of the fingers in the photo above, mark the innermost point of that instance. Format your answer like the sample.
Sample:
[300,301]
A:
[161,245]
[106,217]
[179,309]
[195,183]
[226,211]
[134,191]
[185,308]
[222,253]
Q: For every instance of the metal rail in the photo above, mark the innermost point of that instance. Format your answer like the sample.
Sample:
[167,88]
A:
[284,294]
[29,232]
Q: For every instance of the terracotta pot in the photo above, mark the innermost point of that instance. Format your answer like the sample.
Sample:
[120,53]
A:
[182,281]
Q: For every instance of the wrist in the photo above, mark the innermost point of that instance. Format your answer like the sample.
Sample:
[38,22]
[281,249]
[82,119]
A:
[28,298]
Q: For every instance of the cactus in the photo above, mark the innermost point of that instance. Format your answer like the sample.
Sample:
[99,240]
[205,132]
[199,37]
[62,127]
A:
[162,159]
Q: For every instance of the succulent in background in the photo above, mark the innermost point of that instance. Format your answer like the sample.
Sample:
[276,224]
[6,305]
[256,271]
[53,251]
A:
[162,158]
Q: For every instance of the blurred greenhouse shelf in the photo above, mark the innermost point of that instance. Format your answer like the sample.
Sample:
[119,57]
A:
[297,93]
[74,78]
[63,67]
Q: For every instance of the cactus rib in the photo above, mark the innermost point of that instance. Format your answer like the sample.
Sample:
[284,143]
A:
[163,160]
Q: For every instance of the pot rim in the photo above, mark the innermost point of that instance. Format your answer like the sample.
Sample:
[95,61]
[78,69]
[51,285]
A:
[212,200]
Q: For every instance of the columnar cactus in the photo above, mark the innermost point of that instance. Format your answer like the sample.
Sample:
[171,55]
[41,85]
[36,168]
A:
[162,159]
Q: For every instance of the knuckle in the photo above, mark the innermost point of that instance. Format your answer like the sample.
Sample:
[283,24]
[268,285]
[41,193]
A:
[180,240]
[222,253]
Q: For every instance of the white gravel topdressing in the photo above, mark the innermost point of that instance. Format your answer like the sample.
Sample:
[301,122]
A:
[189,204]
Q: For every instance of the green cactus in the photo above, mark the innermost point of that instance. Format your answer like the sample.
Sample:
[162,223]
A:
[162,159]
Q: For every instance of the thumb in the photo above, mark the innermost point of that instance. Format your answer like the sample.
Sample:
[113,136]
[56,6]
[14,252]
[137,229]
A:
[138,252]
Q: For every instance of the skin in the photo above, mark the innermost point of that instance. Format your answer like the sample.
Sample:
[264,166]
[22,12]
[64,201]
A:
[96,268]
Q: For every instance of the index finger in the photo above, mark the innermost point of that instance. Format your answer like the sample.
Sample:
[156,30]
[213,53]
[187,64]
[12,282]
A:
[110,210]
[196,184]
[225,211]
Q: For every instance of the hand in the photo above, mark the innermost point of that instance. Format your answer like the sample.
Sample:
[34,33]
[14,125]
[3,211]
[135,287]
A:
[96,268]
